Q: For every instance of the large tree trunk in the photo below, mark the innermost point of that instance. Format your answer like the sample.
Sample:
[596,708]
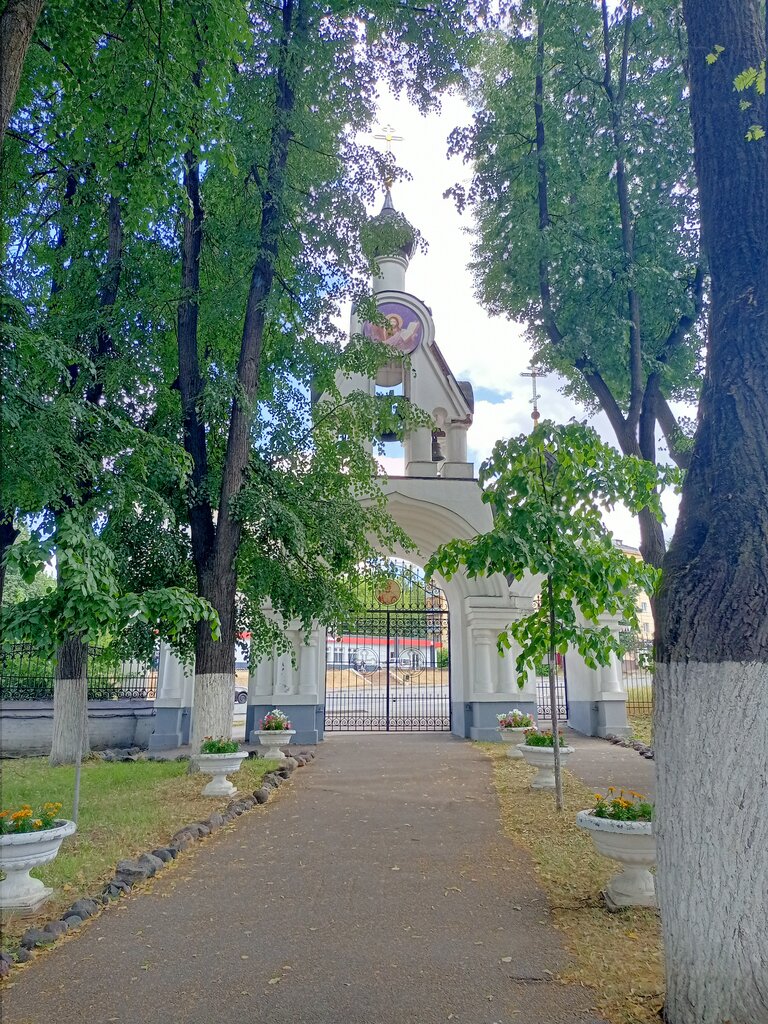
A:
[215,659]
[215,548]
[70,704]
[711,681]
[17,25]
[216,581]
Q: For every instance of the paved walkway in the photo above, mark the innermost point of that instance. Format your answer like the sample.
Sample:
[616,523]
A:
[376,889]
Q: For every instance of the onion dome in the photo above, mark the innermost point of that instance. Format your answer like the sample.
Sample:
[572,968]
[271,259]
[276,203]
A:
[391,233]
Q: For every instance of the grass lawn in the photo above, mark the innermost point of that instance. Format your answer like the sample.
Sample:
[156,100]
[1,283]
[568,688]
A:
[126,808]
[641,725]
[619,955]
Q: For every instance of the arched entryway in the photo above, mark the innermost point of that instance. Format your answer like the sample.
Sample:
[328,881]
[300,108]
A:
[389,668]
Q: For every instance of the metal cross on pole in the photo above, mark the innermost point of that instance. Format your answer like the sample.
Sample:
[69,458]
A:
[388,135]
[535,374]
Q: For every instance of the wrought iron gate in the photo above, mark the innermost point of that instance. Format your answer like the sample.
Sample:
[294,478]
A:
[389,670]
[543,705]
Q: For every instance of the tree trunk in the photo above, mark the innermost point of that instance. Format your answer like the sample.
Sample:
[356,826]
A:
[215,548]
[553,699]
[215,659]
[17,25]
[711,681]
[8,535]
[70,704]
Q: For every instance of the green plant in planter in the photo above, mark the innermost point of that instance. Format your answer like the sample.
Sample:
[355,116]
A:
[219,746]
[619,808]
[25,819]
[275,721]
[543,739]
[515,719]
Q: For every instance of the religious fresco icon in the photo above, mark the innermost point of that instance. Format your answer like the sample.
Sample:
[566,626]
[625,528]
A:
[405,329]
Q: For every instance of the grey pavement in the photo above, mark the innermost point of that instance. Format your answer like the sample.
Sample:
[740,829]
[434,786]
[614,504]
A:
[375,889]
[600,764]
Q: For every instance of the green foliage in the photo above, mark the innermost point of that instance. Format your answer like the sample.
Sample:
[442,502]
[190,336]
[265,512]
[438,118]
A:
[619,808]
[88,601]
[25,819]
[567,272]
[547,491]
[219,746]
[534,738]
[751,78]
[113,104]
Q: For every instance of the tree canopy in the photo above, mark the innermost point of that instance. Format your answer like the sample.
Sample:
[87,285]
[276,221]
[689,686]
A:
[587,217]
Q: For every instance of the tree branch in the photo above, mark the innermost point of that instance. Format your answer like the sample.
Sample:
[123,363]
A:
[672,433]
[616,98]
[685,323]
[609,405]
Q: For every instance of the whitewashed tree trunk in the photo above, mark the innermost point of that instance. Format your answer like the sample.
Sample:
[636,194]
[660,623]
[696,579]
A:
[70,721]
[212,712]
[711,743]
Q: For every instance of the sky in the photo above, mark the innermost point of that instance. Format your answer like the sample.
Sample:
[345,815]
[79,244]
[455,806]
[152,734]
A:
[491,352]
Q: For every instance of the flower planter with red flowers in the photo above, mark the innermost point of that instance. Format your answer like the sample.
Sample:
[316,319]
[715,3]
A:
[274,732]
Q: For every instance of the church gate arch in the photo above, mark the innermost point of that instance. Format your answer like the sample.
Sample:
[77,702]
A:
[388,669]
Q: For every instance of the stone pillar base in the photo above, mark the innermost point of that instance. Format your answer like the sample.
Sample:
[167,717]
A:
[458,471]
[607,716]
[481,720]
[171,728]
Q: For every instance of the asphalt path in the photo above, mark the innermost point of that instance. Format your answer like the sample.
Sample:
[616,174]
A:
[375,889]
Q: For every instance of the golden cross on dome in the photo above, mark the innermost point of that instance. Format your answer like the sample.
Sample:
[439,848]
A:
[389,135]
[535,374]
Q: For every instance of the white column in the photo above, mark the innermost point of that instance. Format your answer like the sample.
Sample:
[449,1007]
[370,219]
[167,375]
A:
[420,445]
[173,679]
[308,663]
[611,676]
[260,681]
[457,443]
[508,674]
[483,681]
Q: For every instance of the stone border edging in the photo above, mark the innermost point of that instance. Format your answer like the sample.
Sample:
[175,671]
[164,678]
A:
[643,749]
[129,873]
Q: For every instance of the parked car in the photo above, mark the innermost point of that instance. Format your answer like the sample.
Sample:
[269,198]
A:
[241,682]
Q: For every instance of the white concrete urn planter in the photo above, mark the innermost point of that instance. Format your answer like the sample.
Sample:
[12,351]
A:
[633,845]
[272,740]
[220,766]
[513,737]
[19,853]
[543,758]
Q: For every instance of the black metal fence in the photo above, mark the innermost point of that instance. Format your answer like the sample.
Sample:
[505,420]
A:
[543,703]
[637,672]
[388,670]
[25,675]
